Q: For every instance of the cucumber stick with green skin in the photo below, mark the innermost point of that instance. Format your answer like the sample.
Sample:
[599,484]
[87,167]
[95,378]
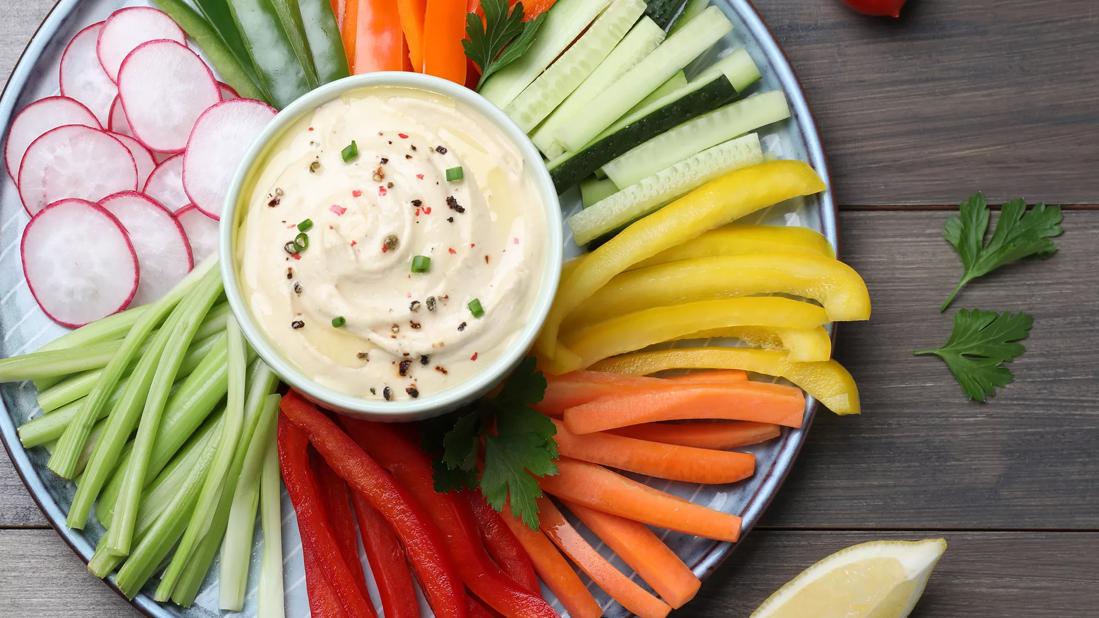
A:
[640,42]
[675,53]
[563,23]
[674,83]
[663,12]
[323,36]
[693,8]
[696,135]
[289,14]
[566,74]
[650,194]
[270,49]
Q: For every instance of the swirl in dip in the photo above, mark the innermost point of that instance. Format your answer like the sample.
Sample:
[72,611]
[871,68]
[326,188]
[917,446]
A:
[367,267]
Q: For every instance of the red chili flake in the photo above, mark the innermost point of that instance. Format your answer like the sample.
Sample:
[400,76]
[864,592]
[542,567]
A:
[472,245]
[354,243]
[337,210]
[382,191]
[296,256]
[474,357]
[515,240]
[420,176]
[310,128]
[452,251]
[356,193]
[402,136]
[417,212]
[427,210]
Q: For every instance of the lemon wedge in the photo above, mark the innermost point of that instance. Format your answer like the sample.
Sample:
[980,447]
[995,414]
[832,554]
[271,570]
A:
[879,579]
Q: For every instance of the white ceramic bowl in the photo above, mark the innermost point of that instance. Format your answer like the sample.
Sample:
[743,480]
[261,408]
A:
[436,403]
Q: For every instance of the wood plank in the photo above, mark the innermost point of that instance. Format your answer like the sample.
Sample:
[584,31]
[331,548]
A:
[996,95]
[19,510]
[921,456]
[982,575]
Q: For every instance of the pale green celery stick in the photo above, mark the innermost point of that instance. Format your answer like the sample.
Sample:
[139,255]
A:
[271,603]
[64,459]
[57,363]
[214,324]
[51,427]
[192,312]
[217,479]
[189,407]
[111,327]
[236,549]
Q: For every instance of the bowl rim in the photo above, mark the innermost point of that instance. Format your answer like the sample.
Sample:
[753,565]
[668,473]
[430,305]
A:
[448,399]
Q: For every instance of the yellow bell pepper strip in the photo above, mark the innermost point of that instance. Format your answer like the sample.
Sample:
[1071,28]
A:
[714,204]
[803,345]
[832,283]
[827,382]
[642,329]
[745,239]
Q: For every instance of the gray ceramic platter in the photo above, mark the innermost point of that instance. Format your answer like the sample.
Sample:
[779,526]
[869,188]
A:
[24,328]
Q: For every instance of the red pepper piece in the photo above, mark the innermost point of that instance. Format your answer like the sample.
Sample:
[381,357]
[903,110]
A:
[411,466]
[334,496]
[387,562]
[477,609]
[313,523]
[421,539]
[502,545]
[323,601]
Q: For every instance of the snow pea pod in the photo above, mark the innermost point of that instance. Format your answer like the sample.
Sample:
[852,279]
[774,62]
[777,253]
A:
[322,32]
[224,49]
[290,16]
[271,50]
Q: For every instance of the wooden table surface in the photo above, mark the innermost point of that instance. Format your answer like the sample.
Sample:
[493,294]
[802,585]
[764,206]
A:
[996,95]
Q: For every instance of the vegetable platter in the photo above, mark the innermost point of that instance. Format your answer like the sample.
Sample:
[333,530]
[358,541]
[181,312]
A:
[609,182]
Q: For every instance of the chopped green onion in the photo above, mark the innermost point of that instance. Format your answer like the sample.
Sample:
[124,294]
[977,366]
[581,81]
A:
[339,322]
[350,153]
[455,174]
[302,241]
[291,248]
[305,225]
[475,308]
[421,264]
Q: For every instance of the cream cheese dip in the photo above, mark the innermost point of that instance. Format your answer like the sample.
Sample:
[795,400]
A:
[392,243]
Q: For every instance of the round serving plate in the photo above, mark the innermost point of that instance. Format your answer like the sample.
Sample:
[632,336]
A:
[24,328]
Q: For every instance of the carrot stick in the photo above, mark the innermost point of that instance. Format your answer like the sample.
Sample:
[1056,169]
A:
[596,487]
[611,580]
[502,544]
[412,14]
[534,8]
[665,461]
[554,570]
[704,434]
[378,37]
[444,29]
[640,548]
[750,401]
[339,9]
[348,29]
[573,389]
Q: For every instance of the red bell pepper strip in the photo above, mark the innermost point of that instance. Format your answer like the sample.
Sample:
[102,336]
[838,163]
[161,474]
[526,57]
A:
[444,29]
[379,41]
[477,609]
[323,601]
[411,466]
[387,562]
[502,544]
[341,519]
[313,523]
[410,521]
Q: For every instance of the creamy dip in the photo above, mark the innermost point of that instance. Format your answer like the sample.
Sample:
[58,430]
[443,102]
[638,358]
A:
[348,308]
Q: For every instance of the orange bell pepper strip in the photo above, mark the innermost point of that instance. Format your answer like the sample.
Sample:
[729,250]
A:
[378,40]
[412,13]
[444,29]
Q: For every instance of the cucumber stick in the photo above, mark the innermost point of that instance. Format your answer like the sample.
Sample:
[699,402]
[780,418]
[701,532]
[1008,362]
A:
[650,194]
[563,77]
[673,55]
[663,12]
[677,81]
[692,137]
[693,8]
[564,22]
[594,190]
[640,42]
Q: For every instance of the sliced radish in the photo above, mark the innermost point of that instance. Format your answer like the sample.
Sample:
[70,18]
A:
[202,232]
[227,92]
[128,28]
[74,162]
[38,118]
[221,138]
[165,87]
[165,184]
[117,122]
[163,252]
[143,158]
[82,77]
[79,264]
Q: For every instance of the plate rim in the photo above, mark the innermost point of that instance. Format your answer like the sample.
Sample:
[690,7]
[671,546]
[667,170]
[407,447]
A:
[791,442]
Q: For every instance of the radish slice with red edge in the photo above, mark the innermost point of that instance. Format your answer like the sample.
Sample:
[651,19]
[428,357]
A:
[142,157]
[82,77]
[128,28]
[165,184]
[165,87]
[202,232]
[221,138]
[38,118]
[74,162]
[117,122]
[227,92]
[79,264]
[163,251]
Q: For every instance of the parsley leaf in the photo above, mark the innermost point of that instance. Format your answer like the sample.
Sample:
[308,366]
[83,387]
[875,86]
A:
[519,446]
[980,344]
[1020,233]
[501,38]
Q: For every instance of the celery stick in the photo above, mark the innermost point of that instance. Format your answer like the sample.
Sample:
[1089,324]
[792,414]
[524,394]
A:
[111,327]
[64,459]
[218,477]
[192,312]
[236,549]
[51,427]
[57,363]
[270,572]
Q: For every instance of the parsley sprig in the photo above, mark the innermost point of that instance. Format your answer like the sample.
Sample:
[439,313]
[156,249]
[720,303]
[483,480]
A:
[980,344]
[1020,233]
[501,38]
[516,443]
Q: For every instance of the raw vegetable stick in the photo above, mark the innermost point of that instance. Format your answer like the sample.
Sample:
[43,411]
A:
[744,239]
[573,389]
[217,35]
[378,38]
[444,29]
[752,401]
[554,570]
[341,519]
[704,434]
[388,562]
[717,376]
[599,488]
[271,594]
[622,589]
[644,552]
[270,49]
[800,344]
[664,461]
[412,23]
[502,544]
[290,18]
[322,32]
